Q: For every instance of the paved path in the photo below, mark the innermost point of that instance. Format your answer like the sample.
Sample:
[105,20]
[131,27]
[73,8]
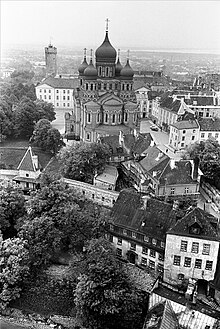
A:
[8,325]
[59,123]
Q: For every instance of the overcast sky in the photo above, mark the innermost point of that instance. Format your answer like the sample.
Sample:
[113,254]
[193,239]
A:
[145,24]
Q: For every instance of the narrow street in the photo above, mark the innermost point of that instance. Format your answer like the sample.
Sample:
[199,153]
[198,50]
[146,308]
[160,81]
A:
[59,123]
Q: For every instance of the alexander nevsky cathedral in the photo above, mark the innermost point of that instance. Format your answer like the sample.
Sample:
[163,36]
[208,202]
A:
[105,103]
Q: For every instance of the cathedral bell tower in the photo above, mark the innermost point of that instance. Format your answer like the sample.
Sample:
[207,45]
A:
[51,60]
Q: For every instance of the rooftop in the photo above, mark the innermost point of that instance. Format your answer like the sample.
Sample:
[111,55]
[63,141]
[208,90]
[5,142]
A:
[62,83]
[109,175]
[186,124]
[177,172]
[209,124]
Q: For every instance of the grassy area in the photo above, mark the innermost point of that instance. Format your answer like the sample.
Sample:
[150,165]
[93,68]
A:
[15,143]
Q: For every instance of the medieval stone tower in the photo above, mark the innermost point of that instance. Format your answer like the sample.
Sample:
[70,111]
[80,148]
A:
[51,60]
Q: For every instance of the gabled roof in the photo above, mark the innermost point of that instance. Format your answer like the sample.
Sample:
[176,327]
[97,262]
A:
[109,96]
[171,104]
[200,100]
[27,161]
[109,175]
[153,218]
[177,172]
[62,83]
[155,161]
[186,124]
[204,219]
[169,318]
[209,124]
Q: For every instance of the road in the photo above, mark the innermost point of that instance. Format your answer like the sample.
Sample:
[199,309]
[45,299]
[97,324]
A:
[59,123]
[8,325]
[161,139]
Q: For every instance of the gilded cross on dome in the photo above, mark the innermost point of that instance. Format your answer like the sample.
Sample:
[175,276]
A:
[107,21]
[84,52]
[128,53]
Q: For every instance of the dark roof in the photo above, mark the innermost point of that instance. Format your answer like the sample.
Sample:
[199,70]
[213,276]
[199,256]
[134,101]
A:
[27,161]
[164,315]
[155,161]
[12,156]
[200,100]
[199,217]
[129,211]
[177,172]
[186,124]
[63,83]
[171,104]
[134,145]
[209,124]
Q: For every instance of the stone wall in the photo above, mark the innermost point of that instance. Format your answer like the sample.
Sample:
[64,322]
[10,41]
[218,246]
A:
[100,196]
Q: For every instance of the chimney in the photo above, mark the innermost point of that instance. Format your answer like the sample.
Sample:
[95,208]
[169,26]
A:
[175,204]
[172,164]
[35,161]
[152,143]
[121,138]
[195,168]
[145,200]
[135,133]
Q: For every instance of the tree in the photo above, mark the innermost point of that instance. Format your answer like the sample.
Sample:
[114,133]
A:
[208,153]
[82,161]
[45,110]
[46,137]
[14,268]
[104,296]
[12,207]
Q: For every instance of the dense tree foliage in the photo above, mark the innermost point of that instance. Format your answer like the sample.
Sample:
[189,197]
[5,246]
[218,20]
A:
[19,110]
[22,76]
[105,296]
[58,220]
[13,270]
[82,161]
[46,137]
[208,153]
[12,207]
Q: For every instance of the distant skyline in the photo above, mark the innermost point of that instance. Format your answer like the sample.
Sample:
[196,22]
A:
[186,25]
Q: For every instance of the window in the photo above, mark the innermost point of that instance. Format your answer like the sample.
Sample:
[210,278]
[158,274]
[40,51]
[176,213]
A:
[133,246]
[134,235]
[57,104]
[144,250]
[68,91]
[40,90]
[160,268]
[119,118]
[68,104]
[57,97]
[194,131]
[45,97]
[184,131]
[186,190]
[193,137]
[64,98]
[49,97]
[49,91]
[64,104]
[126,116]
[198,263]
[146,238]
[209,135]
[103,199]
[68,98]
[106,117]
[119,241]
[104,86]
[88,136]
[216,135]
[110,238]
[206,249]
[162,244]
[176,260]
[64,91]
[208,265]
[183,246]
[27,175]
[182,144]
[172,190]
[93,196]
[195,247]
[187,262]
[152,253]
[57,91]
[183,138]
[151,264]
[154,241]
[161,257]
[88,117]
[45,90]
[113,118]
[118,252]
[180,276]
[202,135]
[125,232]
[143,261]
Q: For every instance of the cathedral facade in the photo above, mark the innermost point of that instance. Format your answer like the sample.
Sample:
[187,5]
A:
[105,102]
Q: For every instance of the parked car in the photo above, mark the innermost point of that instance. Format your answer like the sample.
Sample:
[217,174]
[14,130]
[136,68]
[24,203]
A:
[154,128]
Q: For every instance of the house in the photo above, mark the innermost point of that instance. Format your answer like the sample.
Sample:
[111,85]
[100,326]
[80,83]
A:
[183,133]
[106,180]
[158,175]
[138,229]
[23,165]
[209,128]
[126,146]
[142,99]
[191,254]
[57,90]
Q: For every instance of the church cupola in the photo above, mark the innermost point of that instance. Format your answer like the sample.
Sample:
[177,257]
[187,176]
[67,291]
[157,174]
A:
[118,66]
[83,65]
[90,72]
[106,53]
[127,73]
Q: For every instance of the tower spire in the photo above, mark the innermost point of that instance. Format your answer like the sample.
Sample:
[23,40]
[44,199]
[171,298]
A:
[84,53]
[107,21]
[119,53]
[128,53]
[91,51]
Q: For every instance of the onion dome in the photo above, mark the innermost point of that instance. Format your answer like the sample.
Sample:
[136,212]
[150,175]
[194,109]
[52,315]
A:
[127,73]
[90,72]
[106,52]
[118,66]
[83,65]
